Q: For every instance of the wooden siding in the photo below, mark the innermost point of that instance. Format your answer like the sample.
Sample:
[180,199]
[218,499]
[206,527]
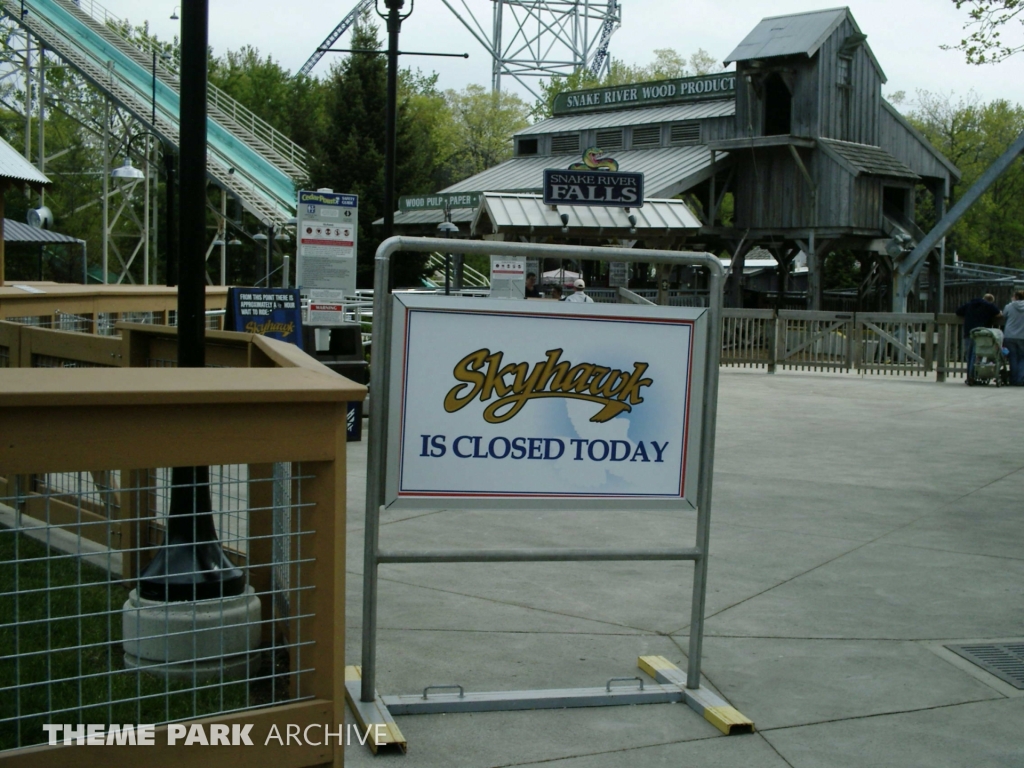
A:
[716,128]
[772,193]
[821,106]
[851,116]
[770,190]
[907,148]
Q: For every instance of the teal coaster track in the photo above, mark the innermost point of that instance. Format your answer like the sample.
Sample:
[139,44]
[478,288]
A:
[246,156]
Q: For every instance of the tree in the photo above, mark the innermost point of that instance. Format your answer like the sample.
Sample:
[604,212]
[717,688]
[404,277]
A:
[987,19]
[483,123]
[294,104]
[973,135]
[350,156]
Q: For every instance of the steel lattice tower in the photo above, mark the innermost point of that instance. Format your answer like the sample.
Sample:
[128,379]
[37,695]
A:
[540,38]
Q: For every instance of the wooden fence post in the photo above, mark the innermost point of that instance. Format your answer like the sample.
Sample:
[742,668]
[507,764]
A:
[942,364]
[778,340]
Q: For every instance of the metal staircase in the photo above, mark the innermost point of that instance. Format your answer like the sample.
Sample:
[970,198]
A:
[246,156]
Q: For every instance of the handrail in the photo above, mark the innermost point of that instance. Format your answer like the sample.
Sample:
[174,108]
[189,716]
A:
[264,201]
[220,100]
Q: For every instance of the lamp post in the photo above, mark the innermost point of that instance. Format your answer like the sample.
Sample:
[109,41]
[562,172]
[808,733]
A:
[394,20]
[191,564]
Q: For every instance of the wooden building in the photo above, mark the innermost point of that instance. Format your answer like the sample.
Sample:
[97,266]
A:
[814,157]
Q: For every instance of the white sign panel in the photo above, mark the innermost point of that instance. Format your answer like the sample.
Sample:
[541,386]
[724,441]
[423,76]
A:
[543,404]
[327,226]
[508,277]
[618,274]
[326,307]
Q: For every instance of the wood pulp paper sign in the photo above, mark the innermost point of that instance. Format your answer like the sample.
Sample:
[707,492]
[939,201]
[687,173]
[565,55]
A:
[537,403]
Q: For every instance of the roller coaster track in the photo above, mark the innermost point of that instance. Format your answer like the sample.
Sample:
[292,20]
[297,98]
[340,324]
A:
[245,155]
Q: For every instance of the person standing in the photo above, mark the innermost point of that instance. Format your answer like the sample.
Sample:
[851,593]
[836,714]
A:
[579,296]
[977,313]
[532,292]
[1013,337]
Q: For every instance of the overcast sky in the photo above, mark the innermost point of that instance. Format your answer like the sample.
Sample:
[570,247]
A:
[904,34]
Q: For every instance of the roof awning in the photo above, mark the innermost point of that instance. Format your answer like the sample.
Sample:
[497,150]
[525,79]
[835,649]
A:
[17,232]
[866,159]
[667,171]
[14,167]
[520,214]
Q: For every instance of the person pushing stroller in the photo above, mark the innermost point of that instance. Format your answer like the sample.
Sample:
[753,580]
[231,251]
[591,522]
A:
[977,313]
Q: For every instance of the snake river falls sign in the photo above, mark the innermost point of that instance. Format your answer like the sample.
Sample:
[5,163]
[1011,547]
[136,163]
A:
[539,404]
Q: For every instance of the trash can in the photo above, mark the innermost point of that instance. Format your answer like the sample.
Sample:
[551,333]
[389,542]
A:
[343,354]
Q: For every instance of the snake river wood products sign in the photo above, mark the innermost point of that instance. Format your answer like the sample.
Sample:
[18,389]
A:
[544,404]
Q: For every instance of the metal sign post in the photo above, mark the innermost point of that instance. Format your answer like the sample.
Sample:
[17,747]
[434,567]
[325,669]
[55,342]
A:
[403,443]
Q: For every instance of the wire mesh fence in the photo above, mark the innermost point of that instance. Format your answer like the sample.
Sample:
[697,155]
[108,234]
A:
[82,638]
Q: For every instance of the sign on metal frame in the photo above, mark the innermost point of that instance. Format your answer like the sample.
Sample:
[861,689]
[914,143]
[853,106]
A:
[527,397]
[544,404]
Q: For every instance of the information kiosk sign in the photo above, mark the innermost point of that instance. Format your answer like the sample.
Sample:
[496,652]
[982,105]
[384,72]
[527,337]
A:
[328,235]
[534,404]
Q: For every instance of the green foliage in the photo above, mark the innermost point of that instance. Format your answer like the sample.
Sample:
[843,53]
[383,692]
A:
[973,134]
[667,65]
[72,609]
[351,153]
[841,270]
[482,126]
[987,20]
[293,104]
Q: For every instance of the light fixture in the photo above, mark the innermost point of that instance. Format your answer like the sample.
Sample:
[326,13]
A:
[127,171]
[234,241]
[259,237]
[174,13]
[40,218]
[282,236]
[447,227]
[632,223]
[565,222]
[217,242]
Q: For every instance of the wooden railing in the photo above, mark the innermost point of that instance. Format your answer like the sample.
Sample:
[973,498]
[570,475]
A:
[865,343]
[85,479]
[874,343]
[96,308]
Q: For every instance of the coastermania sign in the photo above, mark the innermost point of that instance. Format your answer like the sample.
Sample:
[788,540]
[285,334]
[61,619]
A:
[538,404]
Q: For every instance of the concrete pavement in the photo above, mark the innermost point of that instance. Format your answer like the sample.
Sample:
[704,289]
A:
[859,525]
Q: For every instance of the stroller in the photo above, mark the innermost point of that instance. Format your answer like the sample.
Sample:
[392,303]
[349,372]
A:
[990,363]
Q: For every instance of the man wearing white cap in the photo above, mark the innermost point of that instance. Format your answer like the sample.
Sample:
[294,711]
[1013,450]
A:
[579,296]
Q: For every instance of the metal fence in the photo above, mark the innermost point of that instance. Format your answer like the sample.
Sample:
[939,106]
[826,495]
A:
[88,501]
[75,640]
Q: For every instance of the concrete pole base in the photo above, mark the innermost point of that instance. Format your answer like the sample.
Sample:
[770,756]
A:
[205,639]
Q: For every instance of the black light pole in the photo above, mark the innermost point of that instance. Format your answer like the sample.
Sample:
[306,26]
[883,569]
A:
[191,564]
[192,158]
[394,20]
